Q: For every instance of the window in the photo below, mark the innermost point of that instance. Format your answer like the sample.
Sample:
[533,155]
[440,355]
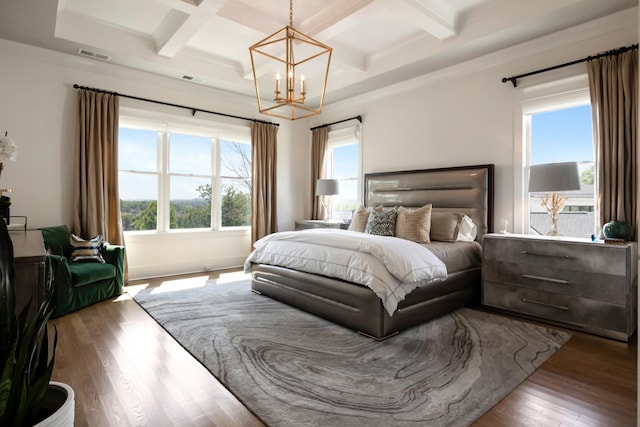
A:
[178,177]
[558,128]
[343,164]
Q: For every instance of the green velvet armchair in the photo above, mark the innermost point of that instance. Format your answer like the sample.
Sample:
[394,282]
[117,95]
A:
[79,284]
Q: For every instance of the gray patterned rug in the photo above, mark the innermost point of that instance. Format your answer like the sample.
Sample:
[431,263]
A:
[291,368]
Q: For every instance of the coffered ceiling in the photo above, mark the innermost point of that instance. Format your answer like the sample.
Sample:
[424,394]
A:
[375,42]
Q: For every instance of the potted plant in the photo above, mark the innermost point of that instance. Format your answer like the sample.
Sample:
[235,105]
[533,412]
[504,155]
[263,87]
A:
[27,395]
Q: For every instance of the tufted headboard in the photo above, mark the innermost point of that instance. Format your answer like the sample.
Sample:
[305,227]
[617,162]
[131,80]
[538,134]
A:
[466,189]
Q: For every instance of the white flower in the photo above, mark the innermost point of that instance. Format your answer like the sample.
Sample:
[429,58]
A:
[8,149]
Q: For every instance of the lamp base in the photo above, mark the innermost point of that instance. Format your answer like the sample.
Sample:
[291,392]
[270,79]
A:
[327,204]
[553,204]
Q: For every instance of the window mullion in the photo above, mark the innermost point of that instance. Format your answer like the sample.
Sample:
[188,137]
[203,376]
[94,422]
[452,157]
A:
[216,184]
[163,184]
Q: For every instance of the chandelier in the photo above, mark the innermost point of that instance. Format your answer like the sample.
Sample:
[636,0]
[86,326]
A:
[292,69]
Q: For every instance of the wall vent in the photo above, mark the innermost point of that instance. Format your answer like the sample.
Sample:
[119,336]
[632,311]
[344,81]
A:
[191,79]
[92,54]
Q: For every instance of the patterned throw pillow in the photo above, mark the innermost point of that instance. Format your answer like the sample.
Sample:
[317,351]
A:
[382,223]
[86,250]
[414,224]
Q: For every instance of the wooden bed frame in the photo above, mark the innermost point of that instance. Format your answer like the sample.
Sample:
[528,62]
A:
[467,189]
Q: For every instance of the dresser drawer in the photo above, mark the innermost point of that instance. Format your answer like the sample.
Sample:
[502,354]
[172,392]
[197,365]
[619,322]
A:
[539,254]
[579,312]
[583,284]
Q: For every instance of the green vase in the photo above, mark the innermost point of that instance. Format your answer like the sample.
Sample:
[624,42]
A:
[617,230]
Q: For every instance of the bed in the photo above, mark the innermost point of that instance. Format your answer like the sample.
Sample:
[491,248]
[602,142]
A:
[463,191]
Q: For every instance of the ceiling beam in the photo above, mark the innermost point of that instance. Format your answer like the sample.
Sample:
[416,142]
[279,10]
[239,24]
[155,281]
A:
[433,17]
[179,26]
[175,31]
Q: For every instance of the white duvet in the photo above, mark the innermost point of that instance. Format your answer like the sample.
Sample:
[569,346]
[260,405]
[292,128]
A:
[390,266]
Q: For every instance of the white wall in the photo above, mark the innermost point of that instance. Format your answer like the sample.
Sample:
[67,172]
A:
[459,116]
[465,115]
[38,110]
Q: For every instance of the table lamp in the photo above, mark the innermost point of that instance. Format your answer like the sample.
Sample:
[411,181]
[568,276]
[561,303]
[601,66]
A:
[326,189]
[554,177]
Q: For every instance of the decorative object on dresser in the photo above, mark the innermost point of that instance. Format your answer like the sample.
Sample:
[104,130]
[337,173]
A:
[326,189]
[617,230]
[575,283]
[554,177]
[8,151]
[18,222]
[305,224]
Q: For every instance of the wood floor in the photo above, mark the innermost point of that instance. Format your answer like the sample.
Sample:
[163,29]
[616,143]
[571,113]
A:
[127,371]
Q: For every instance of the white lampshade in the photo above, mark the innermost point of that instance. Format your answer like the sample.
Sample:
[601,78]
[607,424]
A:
[554,177]
[326,187]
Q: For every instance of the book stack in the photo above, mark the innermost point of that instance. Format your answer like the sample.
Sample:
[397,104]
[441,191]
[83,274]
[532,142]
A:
[615,241]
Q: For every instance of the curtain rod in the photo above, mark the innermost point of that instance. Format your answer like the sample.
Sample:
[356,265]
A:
[359,118]
[514,79]
[193,110]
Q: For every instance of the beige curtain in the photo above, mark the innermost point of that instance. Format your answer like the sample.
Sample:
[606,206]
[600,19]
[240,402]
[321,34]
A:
[319,142]
[95,197]
[613,85]
[264,141]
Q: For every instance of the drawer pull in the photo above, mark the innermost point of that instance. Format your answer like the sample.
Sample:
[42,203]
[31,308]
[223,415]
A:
[545,255]
[559,307]
[546,279]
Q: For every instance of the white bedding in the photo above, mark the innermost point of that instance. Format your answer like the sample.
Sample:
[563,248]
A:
[389,266]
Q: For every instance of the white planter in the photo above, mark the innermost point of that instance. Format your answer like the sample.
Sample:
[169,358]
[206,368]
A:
[60,396]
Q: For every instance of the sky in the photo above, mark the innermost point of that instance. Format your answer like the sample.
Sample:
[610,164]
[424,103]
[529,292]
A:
[188,154]
[562,136]
[557,136]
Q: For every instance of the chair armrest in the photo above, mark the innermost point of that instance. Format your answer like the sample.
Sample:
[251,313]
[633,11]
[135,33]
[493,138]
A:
[114,254]
[57,261]
[59,269]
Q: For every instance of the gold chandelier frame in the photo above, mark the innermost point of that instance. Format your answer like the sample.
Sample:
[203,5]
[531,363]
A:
[290,104]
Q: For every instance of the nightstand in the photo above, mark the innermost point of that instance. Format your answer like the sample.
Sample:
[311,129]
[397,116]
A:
[304,224]
[575,283]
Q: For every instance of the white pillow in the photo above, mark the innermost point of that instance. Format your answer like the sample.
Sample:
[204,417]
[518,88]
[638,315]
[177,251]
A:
[468,230]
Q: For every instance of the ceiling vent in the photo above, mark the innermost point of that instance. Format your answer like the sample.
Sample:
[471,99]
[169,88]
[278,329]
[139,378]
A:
[191,79]
[94,55]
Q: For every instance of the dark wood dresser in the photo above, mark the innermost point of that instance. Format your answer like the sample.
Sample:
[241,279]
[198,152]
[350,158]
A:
[575,283]
[29,257]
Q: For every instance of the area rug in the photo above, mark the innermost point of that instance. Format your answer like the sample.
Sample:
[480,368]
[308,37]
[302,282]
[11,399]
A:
[291,368]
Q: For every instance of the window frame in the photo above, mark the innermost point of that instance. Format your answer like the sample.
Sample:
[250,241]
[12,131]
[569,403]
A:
[166,124]
[549,96]
[344,136]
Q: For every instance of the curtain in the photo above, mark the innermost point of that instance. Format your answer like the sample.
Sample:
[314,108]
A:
[264,141]
[613,86]
[319,141]
[96,200]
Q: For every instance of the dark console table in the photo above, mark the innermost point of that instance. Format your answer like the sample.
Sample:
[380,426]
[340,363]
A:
[29,257]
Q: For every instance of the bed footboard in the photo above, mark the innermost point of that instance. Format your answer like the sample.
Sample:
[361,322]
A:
[356,306]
